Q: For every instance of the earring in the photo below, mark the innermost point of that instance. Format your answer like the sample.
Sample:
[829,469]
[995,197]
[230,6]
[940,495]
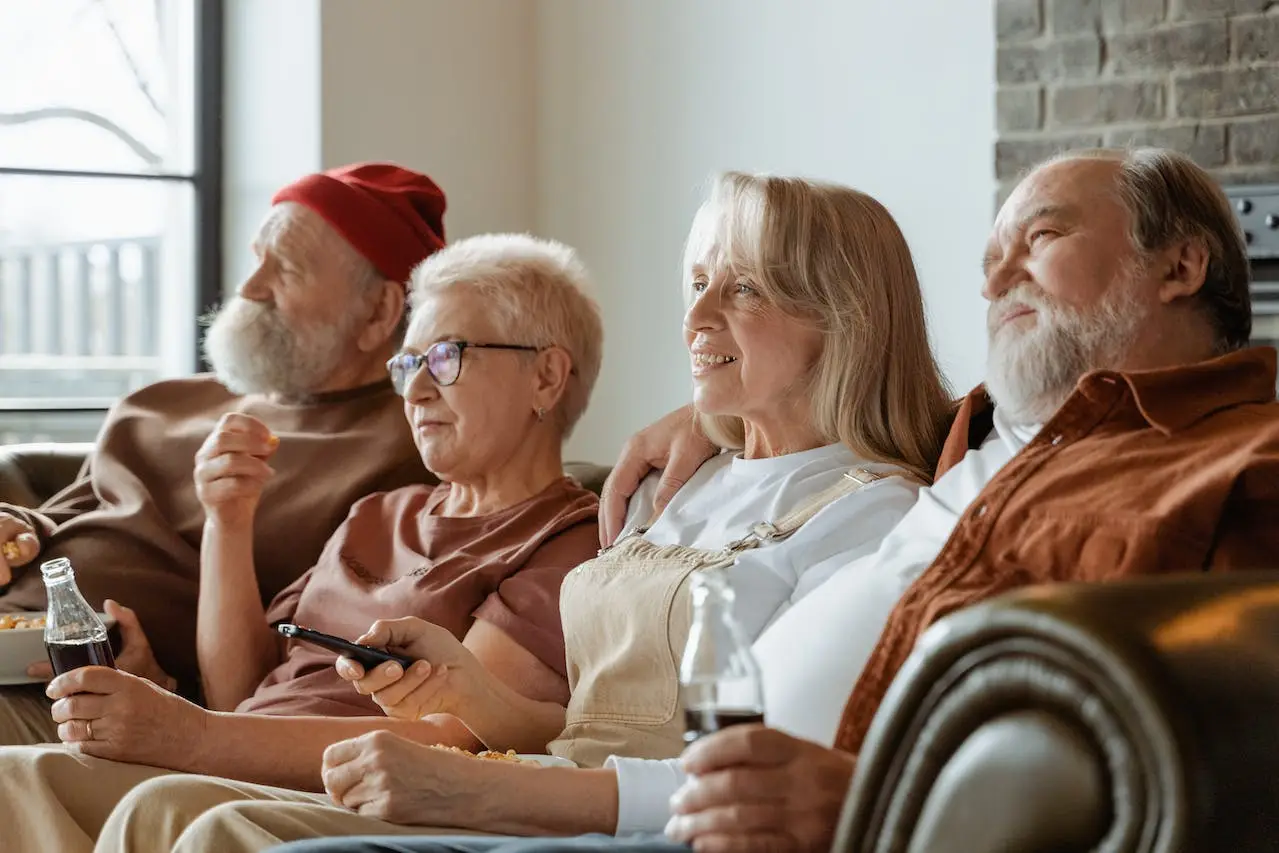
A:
[541,413]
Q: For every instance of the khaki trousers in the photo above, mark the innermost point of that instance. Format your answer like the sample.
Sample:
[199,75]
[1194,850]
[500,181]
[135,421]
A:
[182,813]
[24,716]
[54,799]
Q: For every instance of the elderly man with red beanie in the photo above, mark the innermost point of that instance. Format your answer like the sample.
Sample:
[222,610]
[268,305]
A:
[302,348]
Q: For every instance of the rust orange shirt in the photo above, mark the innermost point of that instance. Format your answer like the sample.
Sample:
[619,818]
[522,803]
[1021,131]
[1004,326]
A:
[1139,473]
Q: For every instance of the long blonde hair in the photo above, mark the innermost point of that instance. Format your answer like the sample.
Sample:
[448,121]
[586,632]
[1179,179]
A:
[834,257]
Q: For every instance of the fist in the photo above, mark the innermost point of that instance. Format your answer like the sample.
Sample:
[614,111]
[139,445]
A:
[19,545]
[231,468]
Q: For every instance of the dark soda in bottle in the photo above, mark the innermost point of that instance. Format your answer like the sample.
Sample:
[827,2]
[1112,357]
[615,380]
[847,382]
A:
[720,681]
[74,636]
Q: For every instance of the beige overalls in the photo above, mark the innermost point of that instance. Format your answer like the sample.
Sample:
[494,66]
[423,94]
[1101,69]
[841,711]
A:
[626,618]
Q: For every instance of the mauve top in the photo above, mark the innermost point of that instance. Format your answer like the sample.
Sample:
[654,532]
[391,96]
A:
[392,557]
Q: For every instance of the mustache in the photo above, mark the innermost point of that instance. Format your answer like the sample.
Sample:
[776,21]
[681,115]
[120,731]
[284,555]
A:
[1022,296]
[240,310]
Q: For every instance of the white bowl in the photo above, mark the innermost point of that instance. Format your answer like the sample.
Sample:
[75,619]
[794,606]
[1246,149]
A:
[21,647]
[547,760]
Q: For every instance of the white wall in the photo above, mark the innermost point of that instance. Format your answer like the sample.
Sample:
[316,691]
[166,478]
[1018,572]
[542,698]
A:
[598,122]
[443,86]
[272,115]
[641,101]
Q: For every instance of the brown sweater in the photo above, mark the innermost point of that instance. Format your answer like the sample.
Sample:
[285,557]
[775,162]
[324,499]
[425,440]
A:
[131,523]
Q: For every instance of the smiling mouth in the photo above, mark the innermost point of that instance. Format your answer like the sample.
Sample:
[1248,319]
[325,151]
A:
[704,359]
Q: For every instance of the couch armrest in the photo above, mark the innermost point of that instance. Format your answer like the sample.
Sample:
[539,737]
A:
[30,474]
[1134,716]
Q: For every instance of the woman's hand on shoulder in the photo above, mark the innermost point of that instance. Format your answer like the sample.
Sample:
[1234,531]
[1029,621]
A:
[674,445]
[444,677]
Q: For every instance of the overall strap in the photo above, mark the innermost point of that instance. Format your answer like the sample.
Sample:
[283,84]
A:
[777,531]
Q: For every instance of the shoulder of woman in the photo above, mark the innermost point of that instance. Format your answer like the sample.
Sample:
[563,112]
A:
[568,546]
[888,477]
[883,500]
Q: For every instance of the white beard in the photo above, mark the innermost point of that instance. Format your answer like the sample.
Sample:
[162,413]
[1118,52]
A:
[1030,374]
[253,351]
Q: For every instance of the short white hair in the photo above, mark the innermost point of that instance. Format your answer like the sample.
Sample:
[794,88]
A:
[539,294]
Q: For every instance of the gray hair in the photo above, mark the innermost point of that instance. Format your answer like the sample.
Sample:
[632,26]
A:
[538,293]
[1170,198]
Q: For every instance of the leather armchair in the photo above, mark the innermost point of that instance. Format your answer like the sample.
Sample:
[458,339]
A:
[1135,716]
[30,474]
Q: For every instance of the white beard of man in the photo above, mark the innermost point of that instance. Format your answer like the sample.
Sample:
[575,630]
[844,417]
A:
[1030,373]
[253,351]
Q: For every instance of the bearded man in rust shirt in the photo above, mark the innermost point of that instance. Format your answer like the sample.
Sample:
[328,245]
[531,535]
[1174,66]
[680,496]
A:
[1126,428]
[302,348]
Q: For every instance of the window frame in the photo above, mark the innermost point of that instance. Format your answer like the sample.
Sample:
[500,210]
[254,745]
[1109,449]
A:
[205,180]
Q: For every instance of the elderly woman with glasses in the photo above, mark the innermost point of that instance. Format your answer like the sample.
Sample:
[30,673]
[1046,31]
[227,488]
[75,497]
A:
[502,350]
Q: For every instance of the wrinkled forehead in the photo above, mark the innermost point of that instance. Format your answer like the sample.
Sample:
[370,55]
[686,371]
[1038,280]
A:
[725,234]
[454,313]
[294,231]
[1083,187]
[704,250]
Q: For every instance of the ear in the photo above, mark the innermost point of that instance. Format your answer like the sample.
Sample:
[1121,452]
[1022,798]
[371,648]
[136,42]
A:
[1184,266]
[388,309]
[553,367]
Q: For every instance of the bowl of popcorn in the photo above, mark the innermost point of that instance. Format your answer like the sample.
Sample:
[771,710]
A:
[510,755]
[22,644]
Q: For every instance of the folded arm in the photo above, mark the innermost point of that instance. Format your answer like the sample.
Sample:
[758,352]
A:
[382,776]
[287,751]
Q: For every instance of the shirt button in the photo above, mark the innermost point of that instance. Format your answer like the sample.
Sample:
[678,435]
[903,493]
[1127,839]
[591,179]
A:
[1056,439]
[979,510]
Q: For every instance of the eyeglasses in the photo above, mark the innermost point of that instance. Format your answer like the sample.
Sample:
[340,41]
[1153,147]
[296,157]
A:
[443,361]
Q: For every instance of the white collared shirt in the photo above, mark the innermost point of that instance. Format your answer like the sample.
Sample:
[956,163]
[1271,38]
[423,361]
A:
[812,654]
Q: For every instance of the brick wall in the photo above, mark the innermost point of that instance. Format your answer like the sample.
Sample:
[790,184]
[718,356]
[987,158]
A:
[1200,76]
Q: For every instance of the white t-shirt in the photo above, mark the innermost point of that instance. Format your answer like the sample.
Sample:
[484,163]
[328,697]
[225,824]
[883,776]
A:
[812,655]
[729,494]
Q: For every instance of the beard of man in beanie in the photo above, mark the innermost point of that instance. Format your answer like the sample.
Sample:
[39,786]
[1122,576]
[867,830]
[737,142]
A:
[295,328]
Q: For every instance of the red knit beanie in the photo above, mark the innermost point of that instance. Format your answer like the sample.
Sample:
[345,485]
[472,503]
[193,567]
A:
[392,216]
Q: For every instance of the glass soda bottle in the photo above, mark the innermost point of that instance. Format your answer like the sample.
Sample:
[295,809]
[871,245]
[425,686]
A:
[74,636]
[720,680]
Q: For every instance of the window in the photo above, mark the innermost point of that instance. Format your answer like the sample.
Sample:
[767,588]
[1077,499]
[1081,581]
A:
[110,203]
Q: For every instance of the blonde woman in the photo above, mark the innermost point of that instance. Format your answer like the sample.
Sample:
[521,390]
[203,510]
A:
[811,366]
